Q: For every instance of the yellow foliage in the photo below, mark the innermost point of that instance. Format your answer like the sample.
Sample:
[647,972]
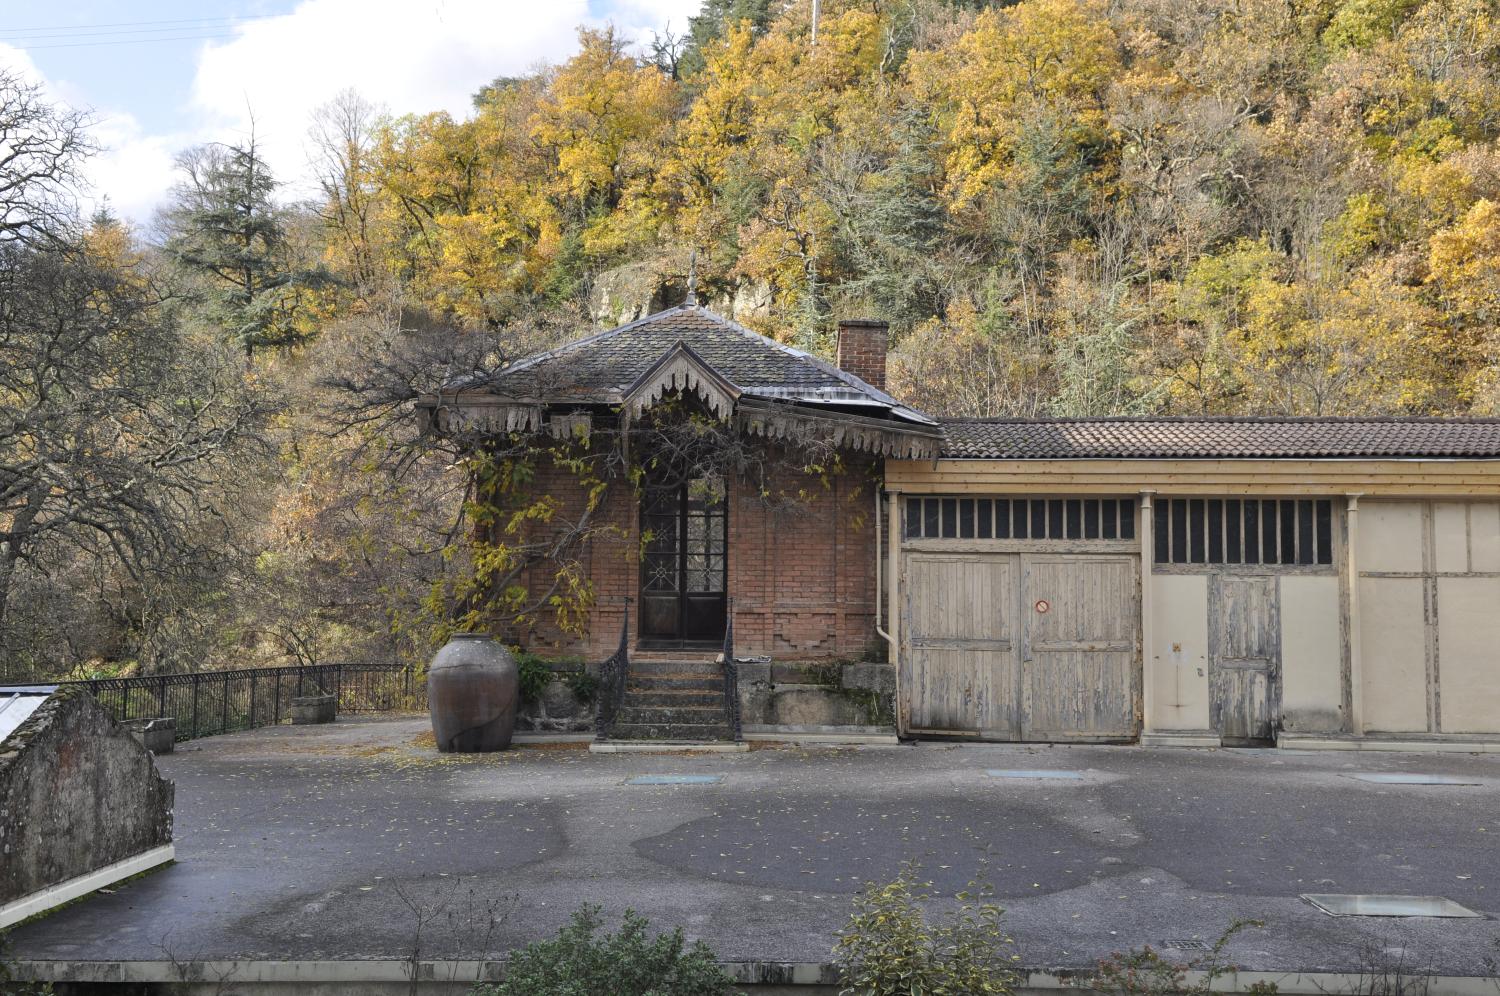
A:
[1058,55]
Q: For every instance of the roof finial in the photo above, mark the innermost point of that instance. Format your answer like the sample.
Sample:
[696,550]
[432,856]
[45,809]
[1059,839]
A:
[692,291]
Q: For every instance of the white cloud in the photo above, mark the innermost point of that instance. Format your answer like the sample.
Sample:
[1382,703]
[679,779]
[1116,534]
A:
[406,55]
[132,169]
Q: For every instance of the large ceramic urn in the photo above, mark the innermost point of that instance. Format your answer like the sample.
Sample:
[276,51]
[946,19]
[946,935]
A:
[473,686]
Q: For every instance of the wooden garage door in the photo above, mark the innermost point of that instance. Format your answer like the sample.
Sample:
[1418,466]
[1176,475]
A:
[1022,646]
[960,665]
[1078,665]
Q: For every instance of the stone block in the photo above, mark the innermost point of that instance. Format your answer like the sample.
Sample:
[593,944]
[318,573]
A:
[751,673]
[869,677]
[159,735]
[559,702]
[311,709]
[78,793]
[793,674]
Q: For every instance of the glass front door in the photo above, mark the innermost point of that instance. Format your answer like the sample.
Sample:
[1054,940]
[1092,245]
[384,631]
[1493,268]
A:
[683,576]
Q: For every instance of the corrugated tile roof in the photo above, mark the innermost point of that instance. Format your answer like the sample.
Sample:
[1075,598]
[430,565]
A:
[603,365]
[1226,438]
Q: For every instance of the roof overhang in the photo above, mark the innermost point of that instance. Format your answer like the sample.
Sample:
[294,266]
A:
[861,433]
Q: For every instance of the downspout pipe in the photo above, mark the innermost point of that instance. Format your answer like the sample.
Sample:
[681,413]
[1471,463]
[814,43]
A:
[891,643]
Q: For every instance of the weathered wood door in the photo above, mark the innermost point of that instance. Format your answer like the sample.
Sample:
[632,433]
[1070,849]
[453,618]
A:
[961,640]
[1022,646]
[1244,658]
[1078,666]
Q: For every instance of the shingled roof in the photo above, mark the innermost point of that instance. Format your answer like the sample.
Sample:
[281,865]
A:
[602,367]
[1221,438]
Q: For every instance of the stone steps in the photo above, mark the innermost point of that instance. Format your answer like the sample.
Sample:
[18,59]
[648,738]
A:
[635,714]
[672,667]
[675,701]
[663,683]
[676,697]
[676,732]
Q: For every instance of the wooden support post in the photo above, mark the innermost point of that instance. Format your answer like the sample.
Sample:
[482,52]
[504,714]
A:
[1351,566]
[1148,664]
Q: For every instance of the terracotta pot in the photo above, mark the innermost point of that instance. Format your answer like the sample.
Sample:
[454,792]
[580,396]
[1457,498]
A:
[473,686]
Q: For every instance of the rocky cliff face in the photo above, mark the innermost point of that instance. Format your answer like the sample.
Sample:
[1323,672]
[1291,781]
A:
[636,290]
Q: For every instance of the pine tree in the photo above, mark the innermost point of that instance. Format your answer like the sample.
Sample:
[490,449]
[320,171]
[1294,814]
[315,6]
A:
[229,235]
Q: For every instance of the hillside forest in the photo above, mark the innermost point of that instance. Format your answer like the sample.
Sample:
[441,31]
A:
[208,456]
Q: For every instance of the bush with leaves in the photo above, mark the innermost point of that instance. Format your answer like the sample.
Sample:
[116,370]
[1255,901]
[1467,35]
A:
[1145,971]
[891,948]
[629,962]
[534,674]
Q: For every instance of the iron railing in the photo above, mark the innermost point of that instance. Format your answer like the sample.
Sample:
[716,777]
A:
[210,702]
[613,674]
[731,677]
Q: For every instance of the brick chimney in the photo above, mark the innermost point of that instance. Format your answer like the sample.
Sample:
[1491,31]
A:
[862,345]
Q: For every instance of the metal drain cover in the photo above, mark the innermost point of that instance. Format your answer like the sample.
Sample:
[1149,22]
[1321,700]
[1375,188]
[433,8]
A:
[675,779]
[1403,778]
[1367,905]
[1033,773]
[1189,944]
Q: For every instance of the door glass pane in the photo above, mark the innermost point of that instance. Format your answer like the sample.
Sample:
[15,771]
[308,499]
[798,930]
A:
[661,572]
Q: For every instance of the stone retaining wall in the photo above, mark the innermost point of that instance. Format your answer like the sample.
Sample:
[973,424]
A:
[821,694]
[77,793]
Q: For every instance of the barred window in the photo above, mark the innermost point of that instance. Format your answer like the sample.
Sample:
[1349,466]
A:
[1244,531]
[1021,518]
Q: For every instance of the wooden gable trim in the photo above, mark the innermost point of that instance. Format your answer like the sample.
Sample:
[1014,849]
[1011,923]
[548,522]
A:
[681,369]
[466,414]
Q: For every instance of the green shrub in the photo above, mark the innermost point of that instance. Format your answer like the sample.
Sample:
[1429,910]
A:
[629,963]
[534,674]
[889,948]
[537,672]
[1145,971]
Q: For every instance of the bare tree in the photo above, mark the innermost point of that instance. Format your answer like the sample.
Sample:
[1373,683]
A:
[342,135]
[113,426]
[42,147]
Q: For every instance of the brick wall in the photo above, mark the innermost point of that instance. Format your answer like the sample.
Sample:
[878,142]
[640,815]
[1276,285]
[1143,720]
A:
[611,559]
[801,576]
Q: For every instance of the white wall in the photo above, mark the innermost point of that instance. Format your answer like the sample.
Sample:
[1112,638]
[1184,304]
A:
[1429,608]
[1178,657]
[1312,659]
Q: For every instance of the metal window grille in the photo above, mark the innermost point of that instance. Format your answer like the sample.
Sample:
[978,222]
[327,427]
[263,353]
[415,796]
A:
[1271,531]
[1020,518]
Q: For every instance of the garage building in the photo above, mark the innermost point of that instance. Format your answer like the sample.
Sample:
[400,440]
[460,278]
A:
[1324,582]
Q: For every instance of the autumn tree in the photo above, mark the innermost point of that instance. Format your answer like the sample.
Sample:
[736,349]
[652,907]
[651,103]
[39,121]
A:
[227,233]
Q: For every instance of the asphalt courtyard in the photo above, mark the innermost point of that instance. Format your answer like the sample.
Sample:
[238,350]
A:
[356,841]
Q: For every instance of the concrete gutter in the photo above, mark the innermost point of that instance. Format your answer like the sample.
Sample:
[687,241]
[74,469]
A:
[65,892]
[760,977]
[666,747]
[1415,745]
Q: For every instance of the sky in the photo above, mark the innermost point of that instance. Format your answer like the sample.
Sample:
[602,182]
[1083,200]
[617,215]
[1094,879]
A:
[160,76]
